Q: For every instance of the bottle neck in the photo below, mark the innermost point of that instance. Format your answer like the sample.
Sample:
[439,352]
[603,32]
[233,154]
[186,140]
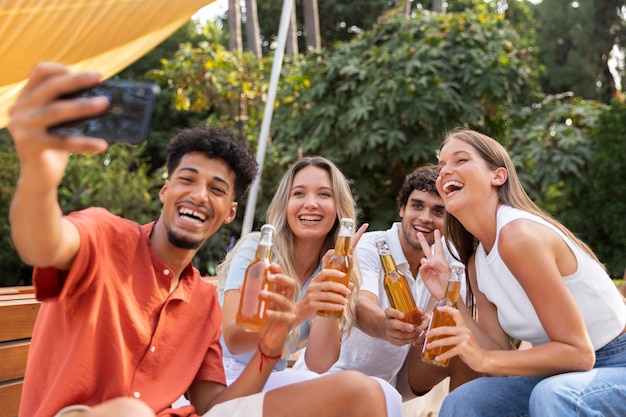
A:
[452,290]
[388,263]
[342,245]
[264,252]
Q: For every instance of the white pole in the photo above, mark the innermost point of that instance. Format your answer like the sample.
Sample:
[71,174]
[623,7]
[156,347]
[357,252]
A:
[267,115]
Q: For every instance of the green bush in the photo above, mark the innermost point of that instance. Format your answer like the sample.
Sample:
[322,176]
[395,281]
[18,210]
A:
[116,180]
[12,270]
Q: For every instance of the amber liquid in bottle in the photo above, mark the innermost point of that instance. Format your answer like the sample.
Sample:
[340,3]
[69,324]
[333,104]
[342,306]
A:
[342,261]
[397,286]
[439,319]
[251,311]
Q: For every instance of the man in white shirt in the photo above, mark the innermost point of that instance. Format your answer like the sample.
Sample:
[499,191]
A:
[380,344]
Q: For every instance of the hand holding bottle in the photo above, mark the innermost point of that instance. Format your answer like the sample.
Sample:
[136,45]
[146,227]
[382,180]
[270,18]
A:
[325,292]
[281,311]
[458,340]
[251,310]
[442,318]
[397,287]
[341,261]
[399,332]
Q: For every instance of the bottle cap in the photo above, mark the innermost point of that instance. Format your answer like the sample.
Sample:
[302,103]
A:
[457,269]
[381,244]
[268,226]
[346,226]
[267,233]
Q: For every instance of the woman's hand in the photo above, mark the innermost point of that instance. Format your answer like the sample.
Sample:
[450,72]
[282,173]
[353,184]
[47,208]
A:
[281,314]
[358,234]
[434,270]
[461,340]
[324,293]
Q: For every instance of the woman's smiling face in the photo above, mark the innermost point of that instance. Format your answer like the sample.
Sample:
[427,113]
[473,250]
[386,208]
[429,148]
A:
[311,208]
[462,169]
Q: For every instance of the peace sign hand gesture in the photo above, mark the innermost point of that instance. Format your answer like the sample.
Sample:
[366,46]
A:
[434,270]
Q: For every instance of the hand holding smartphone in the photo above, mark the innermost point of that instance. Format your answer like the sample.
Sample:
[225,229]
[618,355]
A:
[131,105]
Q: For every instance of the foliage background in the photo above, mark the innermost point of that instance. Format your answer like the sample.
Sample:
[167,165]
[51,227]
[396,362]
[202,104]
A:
[381,103]
[377,100]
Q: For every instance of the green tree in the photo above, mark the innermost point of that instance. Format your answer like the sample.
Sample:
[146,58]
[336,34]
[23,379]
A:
[167,120]
[576,38]
[597,212]
[116,180]
[551,145]
[380,104]
[338,20]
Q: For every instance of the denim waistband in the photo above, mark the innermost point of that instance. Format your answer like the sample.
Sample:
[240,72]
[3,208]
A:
[613,353]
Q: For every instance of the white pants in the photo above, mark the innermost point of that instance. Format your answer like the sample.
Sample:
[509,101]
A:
[250,406]
[277,379]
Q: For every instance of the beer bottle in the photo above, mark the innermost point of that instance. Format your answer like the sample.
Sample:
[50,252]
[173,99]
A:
[439,318]
[341,260]
[251,311]
[397,286]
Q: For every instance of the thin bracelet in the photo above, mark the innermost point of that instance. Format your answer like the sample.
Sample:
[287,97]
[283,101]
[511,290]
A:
[265,357]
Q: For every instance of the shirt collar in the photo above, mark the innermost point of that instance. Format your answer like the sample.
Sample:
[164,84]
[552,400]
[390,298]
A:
[188,278]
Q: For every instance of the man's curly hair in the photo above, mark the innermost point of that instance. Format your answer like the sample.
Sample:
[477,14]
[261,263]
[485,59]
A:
[422,179]
[219,144]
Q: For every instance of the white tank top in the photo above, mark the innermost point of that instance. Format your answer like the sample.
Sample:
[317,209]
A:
[596,295]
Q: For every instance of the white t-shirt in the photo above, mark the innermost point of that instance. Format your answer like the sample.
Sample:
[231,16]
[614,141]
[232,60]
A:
[359,351]
[234,364]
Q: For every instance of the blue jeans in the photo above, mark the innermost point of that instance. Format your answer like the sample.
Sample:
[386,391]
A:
[600,392]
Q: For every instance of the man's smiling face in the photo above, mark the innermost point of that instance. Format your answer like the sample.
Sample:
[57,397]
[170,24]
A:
[424,212]
[197,199]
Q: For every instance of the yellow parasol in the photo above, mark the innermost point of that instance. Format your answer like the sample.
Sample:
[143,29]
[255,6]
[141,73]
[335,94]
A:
[88,35]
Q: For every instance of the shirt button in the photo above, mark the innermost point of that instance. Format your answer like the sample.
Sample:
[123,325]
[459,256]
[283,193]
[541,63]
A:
[166,272]
[136,394]
[152,349]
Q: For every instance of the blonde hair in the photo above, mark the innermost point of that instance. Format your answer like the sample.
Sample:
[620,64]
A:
[284,239]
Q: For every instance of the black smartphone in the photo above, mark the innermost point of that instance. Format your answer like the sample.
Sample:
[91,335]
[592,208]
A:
[131,104]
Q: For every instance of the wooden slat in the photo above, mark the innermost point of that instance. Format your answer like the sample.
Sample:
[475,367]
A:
[13,357]
[15,296]
[22,289]
[17,318]
[10,394]
[18,310]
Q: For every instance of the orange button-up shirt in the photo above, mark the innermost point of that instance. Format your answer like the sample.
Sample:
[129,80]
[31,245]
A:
[109,326]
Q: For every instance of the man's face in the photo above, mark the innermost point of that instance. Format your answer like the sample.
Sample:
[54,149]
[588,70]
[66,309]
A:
[197,199]
[424,212]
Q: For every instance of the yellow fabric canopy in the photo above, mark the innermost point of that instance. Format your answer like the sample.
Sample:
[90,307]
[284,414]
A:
[89,35]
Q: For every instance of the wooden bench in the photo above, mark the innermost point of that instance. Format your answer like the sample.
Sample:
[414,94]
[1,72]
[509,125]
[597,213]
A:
[18,310]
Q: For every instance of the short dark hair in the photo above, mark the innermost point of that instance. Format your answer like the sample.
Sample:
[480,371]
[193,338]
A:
[423,179]
[215,143]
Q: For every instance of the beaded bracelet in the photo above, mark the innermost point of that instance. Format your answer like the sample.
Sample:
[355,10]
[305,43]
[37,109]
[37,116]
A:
[265,357]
